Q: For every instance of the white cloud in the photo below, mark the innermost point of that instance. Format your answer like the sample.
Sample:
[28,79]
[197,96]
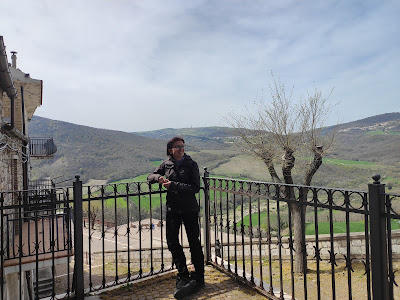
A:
[125,64]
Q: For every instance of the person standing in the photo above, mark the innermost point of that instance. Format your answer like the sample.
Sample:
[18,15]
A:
[179,174]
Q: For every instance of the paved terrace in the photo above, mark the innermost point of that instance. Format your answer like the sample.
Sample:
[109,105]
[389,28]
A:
[218,286]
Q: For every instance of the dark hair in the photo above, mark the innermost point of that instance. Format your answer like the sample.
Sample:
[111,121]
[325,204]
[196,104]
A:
[172,141]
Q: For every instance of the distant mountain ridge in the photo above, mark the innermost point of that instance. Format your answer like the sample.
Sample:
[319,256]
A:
[112,155]
[200,137]
[389,122]
[92,152]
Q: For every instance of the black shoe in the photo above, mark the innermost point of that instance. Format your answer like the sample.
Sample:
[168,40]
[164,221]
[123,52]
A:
[199,279]
[184,287]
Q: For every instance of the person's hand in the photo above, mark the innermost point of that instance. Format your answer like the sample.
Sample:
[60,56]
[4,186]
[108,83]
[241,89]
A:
[161,179]
[166,184]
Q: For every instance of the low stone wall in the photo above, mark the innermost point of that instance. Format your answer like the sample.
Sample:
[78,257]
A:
[357,250]
[146,256]
[357,247]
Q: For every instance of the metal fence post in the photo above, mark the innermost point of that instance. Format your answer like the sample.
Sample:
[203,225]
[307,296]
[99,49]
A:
[380,282]
[78,239]
[206,217]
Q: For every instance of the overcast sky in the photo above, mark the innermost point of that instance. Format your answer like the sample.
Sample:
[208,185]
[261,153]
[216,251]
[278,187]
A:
[145,65]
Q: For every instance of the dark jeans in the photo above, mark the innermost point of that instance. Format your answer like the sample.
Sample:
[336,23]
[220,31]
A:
[190,221]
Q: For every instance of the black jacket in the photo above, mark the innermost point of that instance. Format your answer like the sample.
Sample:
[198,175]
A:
[185,183]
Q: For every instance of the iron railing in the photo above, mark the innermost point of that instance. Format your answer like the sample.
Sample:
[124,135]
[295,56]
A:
[254,228]
[42,147]
[41,184]
[92,237]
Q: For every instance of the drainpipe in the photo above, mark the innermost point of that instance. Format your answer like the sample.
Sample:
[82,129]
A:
[6,82]
[25,143]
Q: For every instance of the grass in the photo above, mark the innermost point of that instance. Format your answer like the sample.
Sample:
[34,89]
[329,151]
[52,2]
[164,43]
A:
[323,227]
[121,190]
[156,163]
[344,162]
[340,227]
[254,220]
[380,132]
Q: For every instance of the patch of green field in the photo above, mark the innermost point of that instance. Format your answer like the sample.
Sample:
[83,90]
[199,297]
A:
[375,132]
[344,162]
[340,227]
[156,163]
[121,188]
[144,201]
[254,220]
[323,227]
[380,132]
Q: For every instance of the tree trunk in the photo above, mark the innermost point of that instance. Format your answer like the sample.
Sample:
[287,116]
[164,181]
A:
[271,169]
[288,164]
[314,166]
[299,235]
[298,224]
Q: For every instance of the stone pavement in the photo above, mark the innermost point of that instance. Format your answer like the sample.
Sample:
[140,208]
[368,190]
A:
[218,286]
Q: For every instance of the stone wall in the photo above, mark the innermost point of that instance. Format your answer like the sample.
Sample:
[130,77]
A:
[357,247]
[10,160]
[357,251]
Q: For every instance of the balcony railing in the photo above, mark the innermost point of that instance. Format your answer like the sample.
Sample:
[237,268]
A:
[116,234]
[42,147]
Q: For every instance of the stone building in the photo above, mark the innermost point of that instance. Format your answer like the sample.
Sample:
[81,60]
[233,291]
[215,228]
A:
[20,95]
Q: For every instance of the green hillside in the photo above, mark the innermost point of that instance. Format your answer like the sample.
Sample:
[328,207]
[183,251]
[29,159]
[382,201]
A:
[94,153]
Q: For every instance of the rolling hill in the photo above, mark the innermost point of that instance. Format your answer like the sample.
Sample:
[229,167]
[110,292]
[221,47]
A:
[362,148]
[93,153]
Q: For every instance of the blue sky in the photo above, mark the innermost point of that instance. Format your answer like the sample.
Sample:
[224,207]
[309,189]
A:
[145,65]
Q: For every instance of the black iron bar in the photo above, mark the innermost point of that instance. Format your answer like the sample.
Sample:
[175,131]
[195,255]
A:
[316,247]
[28,219]
[221,226]
[115,189]
[103,282]
[302,202]
[7,235]
[89,193]
[36,252]
[228,225]
[52,243]
[269,240]
[161,229]
[367,249]
[140,231]
[57,231]
[78,238]
[2,245]
[151,233]
[43,234]
[260,237]
[251,237]
[332,251]
[279,244]
[291,250]
[348,257]
[388,206]
[242,232]
[215,222]
[128,230]
[69,239]
[235,228]
[13,237]
[20,253]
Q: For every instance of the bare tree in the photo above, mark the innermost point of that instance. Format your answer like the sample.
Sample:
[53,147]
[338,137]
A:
[275,131]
